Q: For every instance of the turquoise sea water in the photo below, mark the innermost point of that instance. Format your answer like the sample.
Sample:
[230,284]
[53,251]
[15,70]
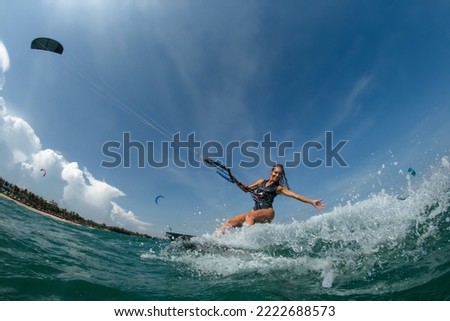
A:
[379,248]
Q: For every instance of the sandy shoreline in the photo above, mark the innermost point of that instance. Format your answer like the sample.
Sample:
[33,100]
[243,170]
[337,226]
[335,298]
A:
[36,210]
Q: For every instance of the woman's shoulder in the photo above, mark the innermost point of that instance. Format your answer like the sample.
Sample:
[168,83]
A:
[281,188]
[256,184]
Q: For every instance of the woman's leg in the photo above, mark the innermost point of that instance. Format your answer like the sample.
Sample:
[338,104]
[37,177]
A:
[235,221]
[265,215]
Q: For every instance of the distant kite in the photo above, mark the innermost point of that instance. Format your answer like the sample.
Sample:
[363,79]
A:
[44,171]
[412,171]
[157,198]
[48,45]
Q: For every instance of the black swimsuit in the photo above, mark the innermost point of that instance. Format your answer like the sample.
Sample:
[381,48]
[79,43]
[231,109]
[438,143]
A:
[264,195]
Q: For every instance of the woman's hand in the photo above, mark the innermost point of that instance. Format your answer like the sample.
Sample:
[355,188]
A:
[317,204]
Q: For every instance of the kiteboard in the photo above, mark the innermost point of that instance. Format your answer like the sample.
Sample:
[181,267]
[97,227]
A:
[189,243]
[184,242]
[178,236]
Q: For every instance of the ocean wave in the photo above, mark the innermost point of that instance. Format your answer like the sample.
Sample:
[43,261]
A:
[381,244]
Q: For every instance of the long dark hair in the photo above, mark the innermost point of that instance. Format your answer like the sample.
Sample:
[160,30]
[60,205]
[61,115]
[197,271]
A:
[283,180]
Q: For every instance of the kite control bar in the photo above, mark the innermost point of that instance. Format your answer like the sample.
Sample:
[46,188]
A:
[225,173]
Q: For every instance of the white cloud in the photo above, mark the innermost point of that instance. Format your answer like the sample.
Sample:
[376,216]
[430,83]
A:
[359,87]
[4,57]
[47,159]
[4,64]
[21,161]
[119,215]
[18,136]
[351,106]
[86,194]
[217,81]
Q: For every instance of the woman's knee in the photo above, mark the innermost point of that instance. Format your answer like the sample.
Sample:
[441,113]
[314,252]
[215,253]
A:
[237,221]
[262,216]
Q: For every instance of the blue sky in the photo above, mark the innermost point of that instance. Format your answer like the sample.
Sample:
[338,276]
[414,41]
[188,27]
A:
[374,74]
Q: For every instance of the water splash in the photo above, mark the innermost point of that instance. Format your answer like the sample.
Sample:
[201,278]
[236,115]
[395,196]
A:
[370,242]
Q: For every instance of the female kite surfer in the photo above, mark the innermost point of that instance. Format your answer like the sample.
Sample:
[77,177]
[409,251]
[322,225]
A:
[264,193]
